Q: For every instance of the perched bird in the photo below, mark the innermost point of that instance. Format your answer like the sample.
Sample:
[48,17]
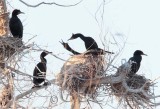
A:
[66,46]
[15,24]
[135,62]
[39,72]
[90,43]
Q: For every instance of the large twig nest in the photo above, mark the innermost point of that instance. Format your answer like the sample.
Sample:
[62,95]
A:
[8,46]
[80,68]
[85,74]
[134,91]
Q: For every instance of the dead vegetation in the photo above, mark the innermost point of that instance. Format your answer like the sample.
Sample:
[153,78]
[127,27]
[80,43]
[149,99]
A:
[85,75]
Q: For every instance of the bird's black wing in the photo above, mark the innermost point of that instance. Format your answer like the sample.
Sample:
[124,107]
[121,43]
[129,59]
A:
[16,27]
[90,43]
[135,65]
[41,67]
[104,52]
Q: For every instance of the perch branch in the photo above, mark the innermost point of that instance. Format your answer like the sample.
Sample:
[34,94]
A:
[24,74]
[51,3]
[105,80]
[32,90]
[27,92]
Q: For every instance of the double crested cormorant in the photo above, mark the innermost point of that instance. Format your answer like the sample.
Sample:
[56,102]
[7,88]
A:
[90,43]
[15,24]
[92,51]
[136,62]
[39,72]
[66,46]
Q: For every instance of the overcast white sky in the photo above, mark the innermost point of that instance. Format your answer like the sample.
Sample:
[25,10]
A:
[137,20]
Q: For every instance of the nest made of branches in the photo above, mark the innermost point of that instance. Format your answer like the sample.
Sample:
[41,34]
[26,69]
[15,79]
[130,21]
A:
[80,68]
[8,46]
[135,91]
[136,82]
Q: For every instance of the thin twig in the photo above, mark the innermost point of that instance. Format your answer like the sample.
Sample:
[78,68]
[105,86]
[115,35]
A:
[51,3]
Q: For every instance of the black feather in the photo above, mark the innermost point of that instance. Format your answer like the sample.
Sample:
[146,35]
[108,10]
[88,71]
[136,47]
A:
[15,25]
[89,42]
[136,62]
[40,70]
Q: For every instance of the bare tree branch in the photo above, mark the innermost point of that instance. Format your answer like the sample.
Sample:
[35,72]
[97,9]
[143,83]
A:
[51,3]
[24,94]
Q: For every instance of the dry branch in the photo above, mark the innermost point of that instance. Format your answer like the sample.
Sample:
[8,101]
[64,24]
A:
[9,48]
[75,77]
[84,74]
[49,3]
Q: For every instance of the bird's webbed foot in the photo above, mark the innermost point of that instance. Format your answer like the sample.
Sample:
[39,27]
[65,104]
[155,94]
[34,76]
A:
[36,86]
[109,52]
[46,83]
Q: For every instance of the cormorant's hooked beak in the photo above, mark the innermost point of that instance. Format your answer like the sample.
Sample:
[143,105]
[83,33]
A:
[145,54]
[21,13]
[48,52]
[70,39]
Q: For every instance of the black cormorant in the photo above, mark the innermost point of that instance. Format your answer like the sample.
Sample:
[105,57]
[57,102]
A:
[66,46]
[40,70]
[136,62]
[90,43]
[15,24]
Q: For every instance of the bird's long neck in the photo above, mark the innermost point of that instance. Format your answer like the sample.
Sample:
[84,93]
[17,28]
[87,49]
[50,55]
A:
[14,15]
[71,50]
[43,60]
[138,58]
[82,37]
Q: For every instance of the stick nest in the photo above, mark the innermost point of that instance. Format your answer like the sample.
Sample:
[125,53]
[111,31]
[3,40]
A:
[134,91]
[135,82]
[78,69]
[86,75]
[8,46]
